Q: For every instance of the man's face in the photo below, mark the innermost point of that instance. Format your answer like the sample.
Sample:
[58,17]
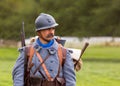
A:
[46,35]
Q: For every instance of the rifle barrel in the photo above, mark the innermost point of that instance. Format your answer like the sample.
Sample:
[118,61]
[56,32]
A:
[22,35]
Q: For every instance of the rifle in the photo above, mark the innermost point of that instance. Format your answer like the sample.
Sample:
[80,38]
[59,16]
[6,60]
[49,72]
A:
[82,51]
[25,55]
[22,35]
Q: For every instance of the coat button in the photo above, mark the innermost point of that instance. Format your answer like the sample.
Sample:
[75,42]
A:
[51,70]
[51,61]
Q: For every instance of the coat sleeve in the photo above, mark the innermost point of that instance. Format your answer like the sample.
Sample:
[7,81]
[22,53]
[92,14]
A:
[18,70]
[68,71]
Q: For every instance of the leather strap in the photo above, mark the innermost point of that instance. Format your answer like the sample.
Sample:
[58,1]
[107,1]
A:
[31,53]
[62,56]
[44,67]
[37,69]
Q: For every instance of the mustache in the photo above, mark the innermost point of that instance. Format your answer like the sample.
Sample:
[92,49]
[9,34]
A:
[50,35]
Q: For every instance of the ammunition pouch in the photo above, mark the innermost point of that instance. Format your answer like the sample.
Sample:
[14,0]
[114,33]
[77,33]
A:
[36,81]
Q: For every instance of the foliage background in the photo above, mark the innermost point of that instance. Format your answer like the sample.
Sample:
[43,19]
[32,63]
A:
[75,17]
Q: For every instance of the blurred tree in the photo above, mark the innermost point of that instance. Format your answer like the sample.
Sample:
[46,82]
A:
[106,18]
[12,14]
[76,18]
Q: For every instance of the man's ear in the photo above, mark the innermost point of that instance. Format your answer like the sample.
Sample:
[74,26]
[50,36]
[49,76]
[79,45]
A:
[38,33]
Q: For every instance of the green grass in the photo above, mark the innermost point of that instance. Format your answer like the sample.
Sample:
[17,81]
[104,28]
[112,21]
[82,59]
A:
[5,73]
[7,60]
[99,74]
[102,52]
[8,53]
[101,66]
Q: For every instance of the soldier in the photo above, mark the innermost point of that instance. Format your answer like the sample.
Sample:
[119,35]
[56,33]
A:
[46,69]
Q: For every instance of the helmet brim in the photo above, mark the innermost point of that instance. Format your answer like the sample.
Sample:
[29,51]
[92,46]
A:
[43,28]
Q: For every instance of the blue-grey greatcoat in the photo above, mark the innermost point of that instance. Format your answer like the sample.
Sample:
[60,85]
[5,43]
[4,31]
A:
[52,64]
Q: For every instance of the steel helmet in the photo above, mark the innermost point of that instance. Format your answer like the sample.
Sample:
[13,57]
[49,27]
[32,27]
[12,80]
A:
[44,21]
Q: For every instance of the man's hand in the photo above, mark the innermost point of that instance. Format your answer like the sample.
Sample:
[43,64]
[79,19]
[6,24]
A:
[79,64]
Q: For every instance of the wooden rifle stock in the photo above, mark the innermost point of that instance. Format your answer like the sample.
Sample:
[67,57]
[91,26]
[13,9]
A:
[82,51]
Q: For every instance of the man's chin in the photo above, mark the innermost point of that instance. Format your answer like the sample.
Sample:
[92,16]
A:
[49,39]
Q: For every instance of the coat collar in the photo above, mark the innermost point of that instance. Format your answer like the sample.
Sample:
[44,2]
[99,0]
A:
[52,49]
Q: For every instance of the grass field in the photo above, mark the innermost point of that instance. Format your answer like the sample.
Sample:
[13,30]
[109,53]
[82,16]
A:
[101,66]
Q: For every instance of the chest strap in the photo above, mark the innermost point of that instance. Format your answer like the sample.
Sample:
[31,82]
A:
[61,55]
[44,67]
[30,64]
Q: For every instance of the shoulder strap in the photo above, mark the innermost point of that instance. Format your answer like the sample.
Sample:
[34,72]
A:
[64,51]
[61,54]
[62,57]
[44,66]
[30,52]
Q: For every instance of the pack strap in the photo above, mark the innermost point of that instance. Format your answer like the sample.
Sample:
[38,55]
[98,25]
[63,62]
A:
[62,56]
[37,69]
[30,55]
[30,52]
[44,67]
